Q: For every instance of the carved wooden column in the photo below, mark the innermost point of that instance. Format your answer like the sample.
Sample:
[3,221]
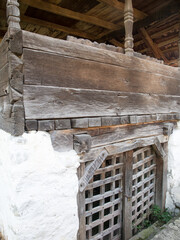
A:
[128,22]
[13,14]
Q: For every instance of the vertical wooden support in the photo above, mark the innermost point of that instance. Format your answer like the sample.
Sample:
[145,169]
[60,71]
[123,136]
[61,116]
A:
[179,46]
[81,207]
[161,178]
[128,22]
[127,201]
[13,14]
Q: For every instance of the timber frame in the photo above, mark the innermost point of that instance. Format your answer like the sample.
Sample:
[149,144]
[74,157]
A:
[97,99]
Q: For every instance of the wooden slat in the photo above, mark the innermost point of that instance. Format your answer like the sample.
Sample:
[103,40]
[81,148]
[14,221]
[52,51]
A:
[107,205]
[120,6]
[54,70]
[69,13]
[102,196]
[53,102]
[71,49]
[104,181]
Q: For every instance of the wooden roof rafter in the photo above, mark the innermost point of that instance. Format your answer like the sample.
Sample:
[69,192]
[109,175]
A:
[52,8]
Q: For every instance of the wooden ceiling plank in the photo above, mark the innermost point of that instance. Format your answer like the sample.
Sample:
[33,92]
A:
[45,6]
[58,27]
[120,6]
[153,46]
[161,15]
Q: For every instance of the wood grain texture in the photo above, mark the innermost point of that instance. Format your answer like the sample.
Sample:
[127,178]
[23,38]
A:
[127,201]
[54,70]
[71,49]
[4,77]
[71,14]
[43,102]
[110,136]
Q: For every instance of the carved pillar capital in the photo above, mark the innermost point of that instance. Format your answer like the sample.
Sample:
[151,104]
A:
[13,14]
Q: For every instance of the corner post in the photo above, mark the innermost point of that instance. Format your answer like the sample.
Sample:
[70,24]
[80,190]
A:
[13,14]
[128,23]
[179,45]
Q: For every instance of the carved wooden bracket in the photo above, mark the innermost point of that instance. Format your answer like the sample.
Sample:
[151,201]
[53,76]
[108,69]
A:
[82,143]
[91,169]
[13,14]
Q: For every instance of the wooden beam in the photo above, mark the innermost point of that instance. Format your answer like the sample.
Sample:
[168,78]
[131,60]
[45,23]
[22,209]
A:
[120,6]
[153,46]
[116,43]
[58,27]
[70,14]
[159,33]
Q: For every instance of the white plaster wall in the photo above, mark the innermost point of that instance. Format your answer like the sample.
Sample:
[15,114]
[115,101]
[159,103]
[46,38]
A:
[173,193]
[38,189]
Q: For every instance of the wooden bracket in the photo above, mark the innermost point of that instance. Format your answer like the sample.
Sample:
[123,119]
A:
[91,169]
[158,148]
[82,143]
[168,129]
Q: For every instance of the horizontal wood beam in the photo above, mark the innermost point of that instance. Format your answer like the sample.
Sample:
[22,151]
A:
[45,6]
[116,43]
[153,46]
[120,6]
[58,27]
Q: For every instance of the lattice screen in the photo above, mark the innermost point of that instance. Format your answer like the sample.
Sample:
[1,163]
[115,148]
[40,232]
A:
[143,189]
[103,201]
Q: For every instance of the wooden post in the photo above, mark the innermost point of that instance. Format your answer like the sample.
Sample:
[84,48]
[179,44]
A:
[179,47]
[13,14]
[127,201]
[128,22]
[81,207]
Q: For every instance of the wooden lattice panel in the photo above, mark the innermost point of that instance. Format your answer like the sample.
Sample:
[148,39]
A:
[103,201]
[143,185]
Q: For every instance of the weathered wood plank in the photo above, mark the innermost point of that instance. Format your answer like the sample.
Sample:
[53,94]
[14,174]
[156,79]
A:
[44,43]
[4,76]
[123,146]
[103,138]
[3,53]
[43,102]
[127,132]
[55,70]
[91,170]
[127,201]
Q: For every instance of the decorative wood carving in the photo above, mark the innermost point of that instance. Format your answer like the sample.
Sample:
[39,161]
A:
[13,14]
[128,22]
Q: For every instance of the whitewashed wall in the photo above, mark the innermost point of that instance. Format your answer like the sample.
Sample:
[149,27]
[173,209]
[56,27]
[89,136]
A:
[38,189]
[173,194]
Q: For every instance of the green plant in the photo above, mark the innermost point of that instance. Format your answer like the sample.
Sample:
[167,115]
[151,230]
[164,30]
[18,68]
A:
[161,216]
